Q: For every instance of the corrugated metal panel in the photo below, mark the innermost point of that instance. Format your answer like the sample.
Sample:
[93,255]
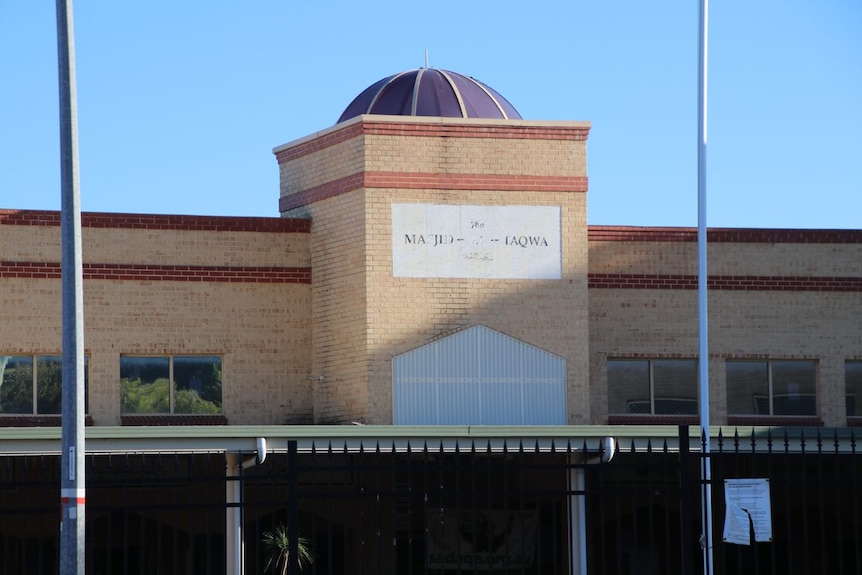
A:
[479,377]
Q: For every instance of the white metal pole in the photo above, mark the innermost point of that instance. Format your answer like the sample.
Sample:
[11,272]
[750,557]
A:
[72,486]
[233,518]
[703,351]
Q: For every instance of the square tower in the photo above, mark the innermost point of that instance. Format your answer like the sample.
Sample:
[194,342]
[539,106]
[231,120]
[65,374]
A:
[423,227]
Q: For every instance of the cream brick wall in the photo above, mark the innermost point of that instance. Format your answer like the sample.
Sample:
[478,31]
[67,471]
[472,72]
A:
[340,306]
[161,247]
[322,166]
[768,324]
[262,330]
[406,313]
[758,259]
[453,155]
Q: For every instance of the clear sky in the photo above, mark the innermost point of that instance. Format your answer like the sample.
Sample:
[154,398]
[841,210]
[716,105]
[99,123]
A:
[181,102]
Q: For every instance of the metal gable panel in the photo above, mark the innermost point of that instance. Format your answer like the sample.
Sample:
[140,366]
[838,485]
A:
[479,376]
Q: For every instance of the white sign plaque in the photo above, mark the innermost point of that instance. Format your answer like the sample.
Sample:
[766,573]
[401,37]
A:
[494,242]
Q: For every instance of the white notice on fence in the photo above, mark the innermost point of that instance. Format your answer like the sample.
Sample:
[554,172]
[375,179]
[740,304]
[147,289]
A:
[493,242]
[748,506]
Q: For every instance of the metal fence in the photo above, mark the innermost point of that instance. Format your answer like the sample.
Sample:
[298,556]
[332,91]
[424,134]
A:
[459,507]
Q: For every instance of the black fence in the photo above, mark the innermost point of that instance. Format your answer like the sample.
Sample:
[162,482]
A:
[454,507]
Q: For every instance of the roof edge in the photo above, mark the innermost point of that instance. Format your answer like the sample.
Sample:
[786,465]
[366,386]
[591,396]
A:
[380,119]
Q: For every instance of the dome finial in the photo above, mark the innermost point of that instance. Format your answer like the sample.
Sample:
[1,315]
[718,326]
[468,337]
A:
[426,58]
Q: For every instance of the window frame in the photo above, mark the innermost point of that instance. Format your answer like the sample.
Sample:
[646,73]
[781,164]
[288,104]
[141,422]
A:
[651,361]
[35,360]
[770,388]
[172,385]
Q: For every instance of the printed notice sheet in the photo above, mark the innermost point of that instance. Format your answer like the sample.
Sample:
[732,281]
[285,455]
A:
[748,506]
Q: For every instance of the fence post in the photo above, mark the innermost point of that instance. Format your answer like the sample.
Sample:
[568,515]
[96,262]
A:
[685,500]
[292,508]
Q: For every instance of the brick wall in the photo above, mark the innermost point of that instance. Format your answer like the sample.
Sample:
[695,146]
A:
[774,294]
[168,285]
[363,315]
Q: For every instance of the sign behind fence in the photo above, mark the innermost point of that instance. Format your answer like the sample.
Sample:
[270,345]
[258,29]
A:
[481,539]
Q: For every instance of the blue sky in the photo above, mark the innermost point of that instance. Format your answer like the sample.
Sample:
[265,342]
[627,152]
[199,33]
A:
[181,103]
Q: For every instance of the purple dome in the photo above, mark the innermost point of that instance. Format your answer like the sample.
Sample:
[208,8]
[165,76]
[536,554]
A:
[431,92]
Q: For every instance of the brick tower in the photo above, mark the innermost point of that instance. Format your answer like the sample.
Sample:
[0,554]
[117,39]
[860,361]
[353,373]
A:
[426,222]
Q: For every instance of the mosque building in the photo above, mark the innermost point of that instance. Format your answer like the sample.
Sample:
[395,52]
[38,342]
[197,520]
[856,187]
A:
[431,276]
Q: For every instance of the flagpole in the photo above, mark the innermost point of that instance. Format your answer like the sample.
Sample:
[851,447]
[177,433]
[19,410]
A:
[72,492]
[702,277]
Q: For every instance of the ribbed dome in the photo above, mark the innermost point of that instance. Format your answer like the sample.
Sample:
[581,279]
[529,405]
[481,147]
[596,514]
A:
[431,92]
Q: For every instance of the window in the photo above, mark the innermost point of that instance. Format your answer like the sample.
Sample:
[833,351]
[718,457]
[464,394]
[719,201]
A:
[853,386]
[652,386]
[171,384]
[775,387]
[33,384]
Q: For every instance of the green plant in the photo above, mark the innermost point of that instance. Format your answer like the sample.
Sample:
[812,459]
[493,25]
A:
[278,545]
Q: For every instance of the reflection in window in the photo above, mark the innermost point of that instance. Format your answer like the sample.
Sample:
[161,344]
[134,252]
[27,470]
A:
[27,381]
[171,384]
[774,387]
[652,386]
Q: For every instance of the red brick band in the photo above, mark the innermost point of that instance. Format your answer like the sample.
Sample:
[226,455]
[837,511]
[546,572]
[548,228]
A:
[429,181]
[14,420]
[178,419]
[459,130]
[726,283]
[159,222]
[320,143]
[129,272]
[432,130]
[723,235]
